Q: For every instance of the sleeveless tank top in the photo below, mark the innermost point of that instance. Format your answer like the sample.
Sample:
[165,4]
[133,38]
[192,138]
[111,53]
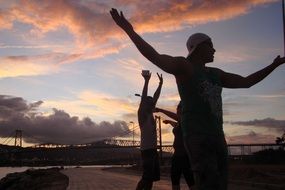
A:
[201,102]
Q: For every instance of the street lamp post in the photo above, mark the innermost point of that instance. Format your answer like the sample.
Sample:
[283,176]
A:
[133,132]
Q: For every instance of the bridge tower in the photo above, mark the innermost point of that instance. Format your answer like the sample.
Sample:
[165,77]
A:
[18,138]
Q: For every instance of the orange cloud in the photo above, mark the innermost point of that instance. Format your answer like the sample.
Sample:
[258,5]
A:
[157,16]
[100,106]
[25,65]
[93,31]
[88,26]
[5,22]
[108,104]
[90,22]
[14,66]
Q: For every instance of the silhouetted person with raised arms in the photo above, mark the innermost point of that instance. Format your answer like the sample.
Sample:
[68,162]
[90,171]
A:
[151,168]
[180,162]
[200,90]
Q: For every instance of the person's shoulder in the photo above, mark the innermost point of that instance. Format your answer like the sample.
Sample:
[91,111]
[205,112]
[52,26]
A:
[180,59]
[215,70]
[186,70]
[218,73]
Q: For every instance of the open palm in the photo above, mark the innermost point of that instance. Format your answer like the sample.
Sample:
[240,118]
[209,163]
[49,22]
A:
[120,19]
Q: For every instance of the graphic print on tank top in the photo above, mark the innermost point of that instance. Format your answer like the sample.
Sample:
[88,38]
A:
[211,93]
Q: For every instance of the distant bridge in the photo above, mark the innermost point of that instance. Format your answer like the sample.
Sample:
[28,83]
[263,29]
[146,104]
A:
[103,143]
[233,149]
[109,151]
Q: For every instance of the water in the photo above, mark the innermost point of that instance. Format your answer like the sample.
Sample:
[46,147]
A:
[6,170]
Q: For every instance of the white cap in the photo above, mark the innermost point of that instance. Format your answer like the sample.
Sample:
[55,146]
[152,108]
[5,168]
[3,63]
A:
[194,40]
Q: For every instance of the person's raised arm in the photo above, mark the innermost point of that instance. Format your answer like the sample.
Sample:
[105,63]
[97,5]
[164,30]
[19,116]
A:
[158,90]
[145,86]
[172,123]
[170,114]
[230,80]
[169,64]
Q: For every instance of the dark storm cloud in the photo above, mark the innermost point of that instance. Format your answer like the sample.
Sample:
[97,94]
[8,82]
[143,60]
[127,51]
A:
[15,106]
[58,127]
[270,123]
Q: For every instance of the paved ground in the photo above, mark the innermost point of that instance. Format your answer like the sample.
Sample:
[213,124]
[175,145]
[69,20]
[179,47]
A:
[98,179]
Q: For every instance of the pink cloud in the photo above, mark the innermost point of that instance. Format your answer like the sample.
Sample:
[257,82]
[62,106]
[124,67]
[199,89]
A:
[87,25]
[90,22]
[5,21]
[93,30]
[161,16]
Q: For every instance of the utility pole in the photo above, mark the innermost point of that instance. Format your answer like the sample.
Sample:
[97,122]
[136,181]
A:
[131,122]
[158,120]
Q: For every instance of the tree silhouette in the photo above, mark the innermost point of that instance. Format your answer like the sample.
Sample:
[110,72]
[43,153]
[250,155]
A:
[281,141]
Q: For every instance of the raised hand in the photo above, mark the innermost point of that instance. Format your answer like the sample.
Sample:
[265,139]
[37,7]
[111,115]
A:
[146,76]
[121,20]
[167,121]
[160,78]
[279,60]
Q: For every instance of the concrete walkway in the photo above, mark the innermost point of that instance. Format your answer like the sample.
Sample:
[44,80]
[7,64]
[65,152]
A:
[98,179]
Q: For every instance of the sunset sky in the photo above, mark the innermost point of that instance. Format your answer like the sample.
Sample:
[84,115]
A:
[68,74]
